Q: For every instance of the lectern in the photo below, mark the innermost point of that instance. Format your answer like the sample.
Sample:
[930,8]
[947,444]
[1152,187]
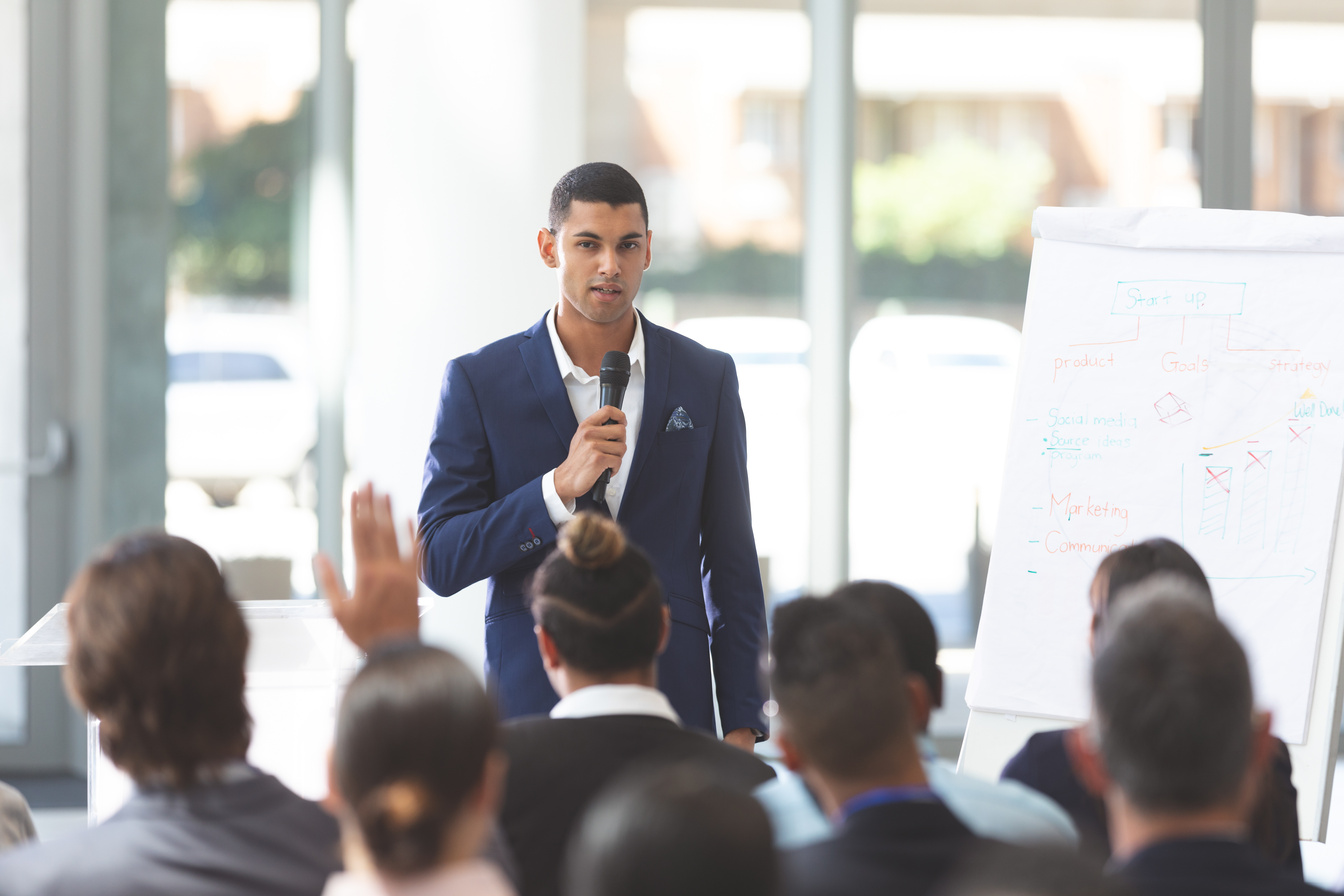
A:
[298,664]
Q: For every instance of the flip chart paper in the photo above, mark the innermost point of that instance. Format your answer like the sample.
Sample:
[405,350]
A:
[1182,375]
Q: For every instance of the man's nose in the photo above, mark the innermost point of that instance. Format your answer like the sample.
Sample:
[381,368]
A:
[609,263]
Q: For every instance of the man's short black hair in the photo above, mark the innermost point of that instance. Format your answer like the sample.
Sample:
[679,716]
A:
[1172,691]
[909,624]
[595,182]
[839,680]
[671,832]
[1119,571]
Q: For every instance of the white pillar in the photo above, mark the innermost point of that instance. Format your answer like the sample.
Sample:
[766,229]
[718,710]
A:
[329,269]
[828,280]
[465,116]
[1227,103]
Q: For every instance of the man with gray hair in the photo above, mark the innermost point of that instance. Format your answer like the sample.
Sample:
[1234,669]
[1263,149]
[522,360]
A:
[1178,749]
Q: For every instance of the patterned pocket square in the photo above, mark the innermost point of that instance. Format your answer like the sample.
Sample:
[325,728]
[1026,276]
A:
[679,420]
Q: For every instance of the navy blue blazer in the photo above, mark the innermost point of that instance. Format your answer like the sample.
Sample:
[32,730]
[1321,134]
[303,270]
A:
[505,420]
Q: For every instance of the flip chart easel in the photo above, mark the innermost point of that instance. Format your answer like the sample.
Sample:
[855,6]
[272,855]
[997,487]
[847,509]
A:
[1175,380]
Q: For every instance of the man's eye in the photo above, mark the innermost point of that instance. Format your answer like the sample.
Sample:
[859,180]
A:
[586,244]
[629,246]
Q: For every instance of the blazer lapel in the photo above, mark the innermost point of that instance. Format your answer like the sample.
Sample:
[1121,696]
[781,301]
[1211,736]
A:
[542,367]
[657,357]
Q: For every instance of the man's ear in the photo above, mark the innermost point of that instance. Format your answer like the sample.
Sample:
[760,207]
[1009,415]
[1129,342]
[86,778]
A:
[546,247]
[667,630]
[1263,744]
[648,248]
[1084,752]
[490,792]
[793,760]
[921,702]
[1092,634]
[550,655]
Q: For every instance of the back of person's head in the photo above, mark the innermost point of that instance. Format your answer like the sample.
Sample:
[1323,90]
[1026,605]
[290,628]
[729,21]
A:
[595,182]
[674,832]
[908,622]
[1173,701]
[838,678]
[158,652]
[413,737]
[997,869]
[598,599]
[1120,570]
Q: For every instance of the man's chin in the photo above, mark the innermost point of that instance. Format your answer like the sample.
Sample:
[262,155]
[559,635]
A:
[603,312]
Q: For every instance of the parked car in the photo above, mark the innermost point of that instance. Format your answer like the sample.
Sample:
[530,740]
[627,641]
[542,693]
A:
[241,402]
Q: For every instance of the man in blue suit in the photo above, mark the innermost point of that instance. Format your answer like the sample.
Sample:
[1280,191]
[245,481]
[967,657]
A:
[519,442]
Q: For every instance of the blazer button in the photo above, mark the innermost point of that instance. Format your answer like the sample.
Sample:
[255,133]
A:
[522,547]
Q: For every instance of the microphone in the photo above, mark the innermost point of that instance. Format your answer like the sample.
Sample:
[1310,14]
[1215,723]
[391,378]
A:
[614,377]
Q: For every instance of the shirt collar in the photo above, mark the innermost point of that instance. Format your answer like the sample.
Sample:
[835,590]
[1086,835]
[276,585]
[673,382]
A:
[569,369]
[885,796]
[615,700]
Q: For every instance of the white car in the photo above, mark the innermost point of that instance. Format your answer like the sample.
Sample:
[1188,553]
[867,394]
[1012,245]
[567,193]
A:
[771,358]
[241,401]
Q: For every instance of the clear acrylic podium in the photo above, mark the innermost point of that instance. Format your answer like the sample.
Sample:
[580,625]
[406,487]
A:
[298,664]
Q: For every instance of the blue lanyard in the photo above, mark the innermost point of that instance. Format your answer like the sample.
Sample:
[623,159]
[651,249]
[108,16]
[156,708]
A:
[883,796]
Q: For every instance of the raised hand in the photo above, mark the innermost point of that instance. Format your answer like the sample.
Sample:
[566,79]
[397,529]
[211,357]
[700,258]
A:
[385,604]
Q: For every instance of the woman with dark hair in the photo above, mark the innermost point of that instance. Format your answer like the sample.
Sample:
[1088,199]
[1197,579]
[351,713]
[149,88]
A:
[417,774]
[1046,761]
[157,655]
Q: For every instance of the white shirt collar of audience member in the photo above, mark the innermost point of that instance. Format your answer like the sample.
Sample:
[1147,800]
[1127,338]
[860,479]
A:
[568,369]
[615,700]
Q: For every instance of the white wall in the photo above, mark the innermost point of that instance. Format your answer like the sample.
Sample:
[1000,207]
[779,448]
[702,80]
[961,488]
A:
[13,354]
[465,116]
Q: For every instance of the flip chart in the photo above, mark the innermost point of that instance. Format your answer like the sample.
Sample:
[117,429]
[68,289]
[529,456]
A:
[1182,375]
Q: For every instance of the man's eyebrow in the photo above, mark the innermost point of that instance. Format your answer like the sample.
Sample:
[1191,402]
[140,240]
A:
[589,235]
[632,235]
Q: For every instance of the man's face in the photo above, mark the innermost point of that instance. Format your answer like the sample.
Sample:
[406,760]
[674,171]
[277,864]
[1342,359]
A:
[600,252]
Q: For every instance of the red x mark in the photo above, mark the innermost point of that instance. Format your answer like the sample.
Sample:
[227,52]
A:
[1257,460]
[1218,477]
[1298,435]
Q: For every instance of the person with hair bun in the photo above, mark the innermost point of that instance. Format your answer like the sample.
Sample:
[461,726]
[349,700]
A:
[601,622]
[416,772]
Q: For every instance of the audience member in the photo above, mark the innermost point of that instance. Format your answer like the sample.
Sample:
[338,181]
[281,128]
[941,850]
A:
[673,832]
[993,869]
[1004,810]
[846,725]
[417,774]
[1045,763]
[1178,749]
[157,651]
[601,623]
[16,821]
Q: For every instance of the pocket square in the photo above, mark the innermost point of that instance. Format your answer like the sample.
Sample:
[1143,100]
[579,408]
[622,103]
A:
[679,420]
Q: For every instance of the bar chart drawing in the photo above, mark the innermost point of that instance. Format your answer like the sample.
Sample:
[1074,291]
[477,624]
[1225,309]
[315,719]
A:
[1254,499]
[1294,505]
[1217,500]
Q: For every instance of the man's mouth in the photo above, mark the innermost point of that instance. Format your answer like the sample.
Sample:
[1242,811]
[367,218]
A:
[608,291]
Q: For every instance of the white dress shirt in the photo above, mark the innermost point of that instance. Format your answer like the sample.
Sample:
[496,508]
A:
[585,392]
[615,700]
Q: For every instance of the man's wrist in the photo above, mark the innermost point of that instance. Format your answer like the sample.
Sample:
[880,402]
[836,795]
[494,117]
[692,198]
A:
[558,509]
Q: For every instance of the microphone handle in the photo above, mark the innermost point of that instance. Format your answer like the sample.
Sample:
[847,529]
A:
[611,395]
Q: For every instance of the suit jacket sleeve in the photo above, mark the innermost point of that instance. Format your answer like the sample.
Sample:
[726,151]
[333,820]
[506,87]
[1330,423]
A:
[468,532]
[732,574]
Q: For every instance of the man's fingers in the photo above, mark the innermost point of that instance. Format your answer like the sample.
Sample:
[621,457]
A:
[605,414]
[333,589]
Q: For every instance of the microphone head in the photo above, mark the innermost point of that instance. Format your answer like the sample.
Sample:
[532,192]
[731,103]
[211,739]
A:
[615,369]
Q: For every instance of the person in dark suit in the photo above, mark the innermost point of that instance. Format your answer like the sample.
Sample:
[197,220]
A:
[600,621]
[157,651]
[1178,749]
[846,725]
[1045,763]
[519,443]
[673,832]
